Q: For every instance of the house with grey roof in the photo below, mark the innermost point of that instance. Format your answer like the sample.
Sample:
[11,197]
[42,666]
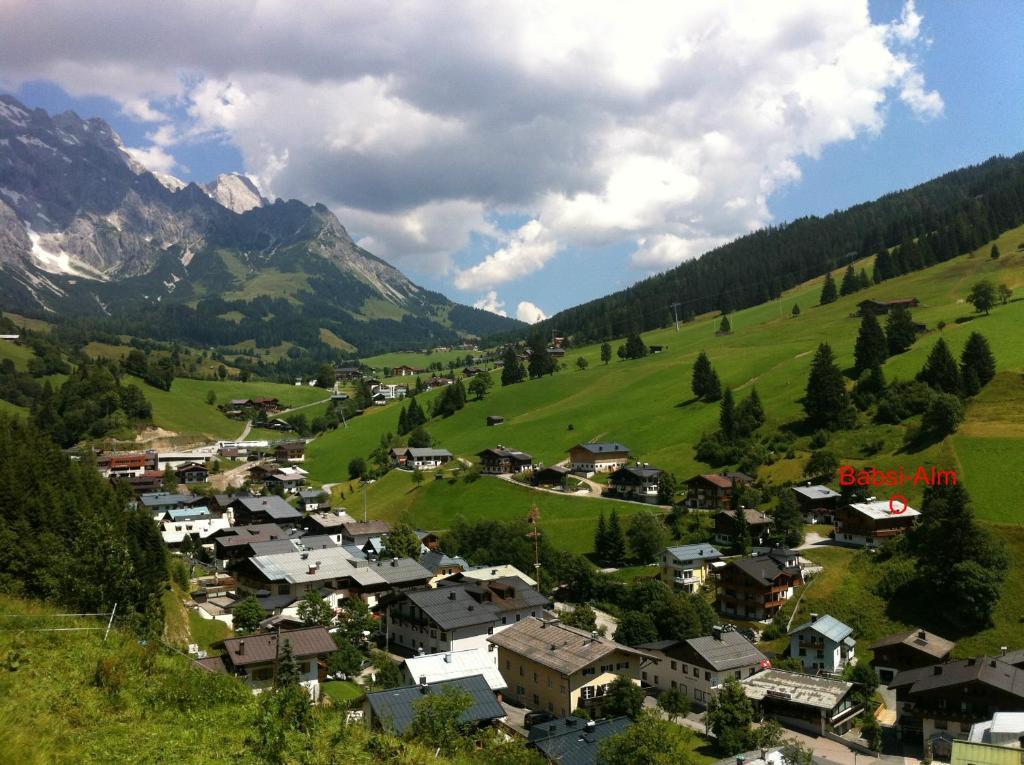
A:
[758,586]
[461,615]
[817,705]
[314,500]
[637,483]
[270,509]
[909,649]
[161,502]
[824,644]
[417,458]
[698,667]
[394,709]
[573,741]
[327,522]
[687,567]
[442,564]
[817,503]
[360,532]
[598,457]
[501,460]
[333,571]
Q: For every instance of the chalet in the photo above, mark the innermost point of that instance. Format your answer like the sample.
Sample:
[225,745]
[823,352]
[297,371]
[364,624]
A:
[882,307]
[555,475]
[817,503]
[556,353]
[254,658]
[460,615]
[348,373]
[816,705]
[555,668]
[452,665]
[313,500]
[267,404]
[235,543]
[328,522]
[378,399]
[390,392]
[937,704]
[727,527]
[638,483]
[824,644]
[149,482]
[471,371]
[869,524]
[573,741]
[333,571]
[262,470]
[290,451]
[356,533]
[405,371]
[442,565]
[714,491]
[192,472]
[126,465]
[909,650]
[199,523]
[688,567]
[438,382]
[757,587]
[501,460]
[598,457]
[698,667]
[393,709]
[413,458]
[494,419]
[272,509]
[487,573]
[289,482]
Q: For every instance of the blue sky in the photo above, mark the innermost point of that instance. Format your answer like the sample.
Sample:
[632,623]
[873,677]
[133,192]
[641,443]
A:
[542,159]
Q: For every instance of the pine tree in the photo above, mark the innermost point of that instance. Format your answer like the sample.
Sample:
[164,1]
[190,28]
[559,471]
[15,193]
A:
[749,414]
[796,310]
[788,521]
[727,415]
[635,348]
[900,332]
[994,253]
[741,542]
[512,370]
[828,290]
[616,544]
[724,327]
[863,282]
[606,352]
[826,402]
[714,389]
[701,378]
[977,357]
[871,348]
[403,422]
[541,362]
[601,539]
[940,370]
[850,283]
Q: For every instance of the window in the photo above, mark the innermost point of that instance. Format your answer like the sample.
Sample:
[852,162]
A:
[673,665]
[696,672]
[521,673]
[588,671]
[941,725]
[535,677]
[643,675]
[536,699]
[262,674]
[738,674]
[518,617]
[504,620]
[655,679]
[674,683]
[520,690]
[508,664]
[304,667]
[707,676]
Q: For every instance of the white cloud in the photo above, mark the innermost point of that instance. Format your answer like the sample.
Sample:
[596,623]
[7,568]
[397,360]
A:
[528,312]
[490,302]
[666,124]
[153,158]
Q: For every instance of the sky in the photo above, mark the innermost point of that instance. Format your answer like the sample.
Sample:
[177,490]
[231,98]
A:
[526,156]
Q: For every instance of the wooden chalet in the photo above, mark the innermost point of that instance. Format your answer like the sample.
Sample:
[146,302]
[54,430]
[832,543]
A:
[869,524]
[192,472]
[555,475]
[883,307]
[727,526]
[501,460]
[714,491]
[757,587]
[909,650]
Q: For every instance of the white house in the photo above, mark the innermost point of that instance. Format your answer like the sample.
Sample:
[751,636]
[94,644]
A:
[197,522]
[823,644]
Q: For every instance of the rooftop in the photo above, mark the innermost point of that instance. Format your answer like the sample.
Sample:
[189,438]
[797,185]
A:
[694,552]
[982,669]
[298,567]
[827,626]
[572,741]
[259,649]
[460,604]
[728,651]
[921,640]
[164,499]
[273,506]
[486,573]
[395,707]
[604,447]
[816,492]
[639,472]
[1004,729]
[880,510]
[754,517]
[558,646]
[438,667]
[819,692]
[764,568]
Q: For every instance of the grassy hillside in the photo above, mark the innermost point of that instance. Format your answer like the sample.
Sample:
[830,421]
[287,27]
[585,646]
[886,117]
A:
[647,403]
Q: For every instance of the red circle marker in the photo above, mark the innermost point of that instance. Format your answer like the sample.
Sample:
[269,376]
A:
[902,499]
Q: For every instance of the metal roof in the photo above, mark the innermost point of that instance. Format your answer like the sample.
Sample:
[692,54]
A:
[163,499]
[572,741]
[982,669]
[461,604]
[816,492]
[336,563]
[729,651]
[419,452]
[880,510]
[806,690]
[437,667]
[602,447]
[828,627]
[189,513]
[694,552]
[435,559]
[259,649]
[395,707]
[486,573]
[273,506]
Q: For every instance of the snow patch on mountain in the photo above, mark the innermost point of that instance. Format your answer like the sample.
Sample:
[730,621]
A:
[235,192]
[60,262]
[169,181]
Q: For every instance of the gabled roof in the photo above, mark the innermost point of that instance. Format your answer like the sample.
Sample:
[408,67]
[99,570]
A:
[754,517]
[604,447]
[728,651]
[189,513]
[435,559]
[395,707]
[486,573]
[371,528]
[827,626]
[919,640]
[425,452]
[164,499]
[984,670]
[694,552]
[572,741]
[558,646]
[451,665]
[880,510]
[298,567]
[260,649]
[643,473]
[502,452]
[765,569]
[816,492]
[273,506]
[460,604]
[329,519]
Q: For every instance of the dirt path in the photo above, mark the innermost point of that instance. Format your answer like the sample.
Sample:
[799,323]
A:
[224,481]
[245,431]
[303,406]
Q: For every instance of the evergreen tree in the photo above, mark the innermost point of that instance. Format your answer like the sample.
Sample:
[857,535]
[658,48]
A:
[826,402]
[900,332]
[714,389]
[796,310]
[749,414]
[789,524]
[634,348]
[541,362]
[646,536]
[701,377]
[414,416]
[828,290]
[616,540]
[977,359]
[512,370]
[601,539]
[742,541]
[724,327]
[727,415]
[871,349]
[606,352]
[940,370]
[994,252]
[403,422]
[850,284]
[863,282]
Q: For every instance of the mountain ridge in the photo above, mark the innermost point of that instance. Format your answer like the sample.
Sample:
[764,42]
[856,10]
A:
[85,230]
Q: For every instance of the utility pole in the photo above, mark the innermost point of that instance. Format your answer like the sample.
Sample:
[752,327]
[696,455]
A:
[675,313]
[364,500]
[534,519]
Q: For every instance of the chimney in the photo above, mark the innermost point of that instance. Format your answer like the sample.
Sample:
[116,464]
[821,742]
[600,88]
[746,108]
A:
[447,658]
[739,759]
[716,632]
[971,662]
[241,648]
[937,669]
[594,634]
[814,618]
[591,725]
[494,571]
[543,624]
[993,663]
[312,570]
[1002,650]
[451,595]
[570,721]
[920,635]
[394,562]
[554,647]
